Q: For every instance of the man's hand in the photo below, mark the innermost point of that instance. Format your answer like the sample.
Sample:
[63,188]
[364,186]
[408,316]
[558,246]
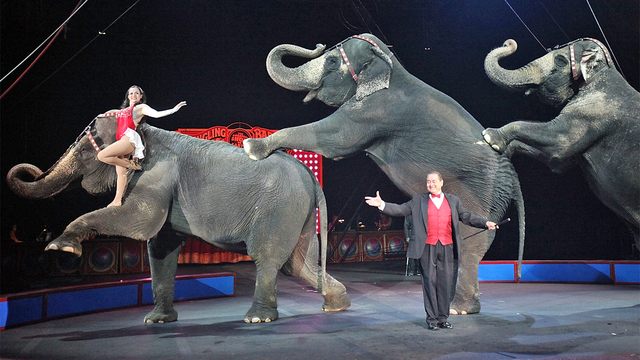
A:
[492,226]
[374,201]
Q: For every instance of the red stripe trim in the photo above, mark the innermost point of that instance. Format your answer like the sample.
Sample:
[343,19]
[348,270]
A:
[574,71]
[604,49]
[346,60]
[367,40]
[93,142]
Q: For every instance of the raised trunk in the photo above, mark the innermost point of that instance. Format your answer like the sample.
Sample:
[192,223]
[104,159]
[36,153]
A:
[20,178]
[305,77]
[515,80]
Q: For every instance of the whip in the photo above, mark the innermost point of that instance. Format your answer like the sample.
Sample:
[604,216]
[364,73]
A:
[498,224]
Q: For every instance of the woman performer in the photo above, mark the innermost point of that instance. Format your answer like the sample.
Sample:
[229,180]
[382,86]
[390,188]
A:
[133,109]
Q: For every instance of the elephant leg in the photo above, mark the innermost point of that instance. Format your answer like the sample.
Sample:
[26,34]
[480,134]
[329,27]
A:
[328,137]
[467,293]
[518,147]
[269,247]
[71,238]
[497,139]
[303,263]
[133,219]
[258,149]
[265,306]
[560,140]
[163,258]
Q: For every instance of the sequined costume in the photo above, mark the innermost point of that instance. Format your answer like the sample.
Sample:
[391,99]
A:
[126,126]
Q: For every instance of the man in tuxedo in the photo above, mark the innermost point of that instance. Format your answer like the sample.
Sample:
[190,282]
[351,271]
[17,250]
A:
[435,217]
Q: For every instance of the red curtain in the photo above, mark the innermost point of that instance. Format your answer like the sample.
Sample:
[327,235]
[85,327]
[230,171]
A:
[197,251]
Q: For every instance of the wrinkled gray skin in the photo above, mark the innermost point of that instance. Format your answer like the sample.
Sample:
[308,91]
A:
[598,127]
[208,189]
[408,128]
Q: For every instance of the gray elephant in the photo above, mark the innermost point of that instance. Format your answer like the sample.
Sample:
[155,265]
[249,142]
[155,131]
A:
[407,127]
[598,127]
[208,189]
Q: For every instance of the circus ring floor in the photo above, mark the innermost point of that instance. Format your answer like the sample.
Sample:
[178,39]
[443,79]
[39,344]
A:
[526,320]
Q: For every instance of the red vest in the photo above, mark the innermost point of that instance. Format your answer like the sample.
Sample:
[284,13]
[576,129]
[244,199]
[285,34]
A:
[439,223]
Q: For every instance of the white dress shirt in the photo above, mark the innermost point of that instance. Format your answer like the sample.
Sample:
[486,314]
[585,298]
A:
[437,200]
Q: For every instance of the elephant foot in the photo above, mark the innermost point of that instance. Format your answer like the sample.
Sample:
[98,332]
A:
[459,308]
[160,317]
[255,148]
[495,138]
[71,246]
[257,315]
[336,302]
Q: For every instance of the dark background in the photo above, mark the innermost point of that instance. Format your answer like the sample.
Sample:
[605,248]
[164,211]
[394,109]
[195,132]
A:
[212,54]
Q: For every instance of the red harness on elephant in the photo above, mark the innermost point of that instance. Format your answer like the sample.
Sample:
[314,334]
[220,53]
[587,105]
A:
[92,140]
[574,70]
[344,54]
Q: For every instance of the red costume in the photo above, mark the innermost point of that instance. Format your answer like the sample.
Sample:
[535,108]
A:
[125,121]
[126,126]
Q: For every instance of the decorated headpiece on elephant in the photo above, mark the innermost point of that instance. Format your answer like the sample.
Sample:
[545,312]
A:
[407,127]
[266,210]
[598,126]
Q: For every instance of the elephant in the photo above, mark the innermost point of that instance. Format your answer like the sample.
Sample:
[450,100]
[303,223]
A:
[597,128]
[407,127]
[207,189]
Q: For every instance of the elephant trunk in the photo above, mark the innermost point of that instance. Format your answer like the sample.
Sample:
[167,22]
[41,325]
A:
[521,79]
[30,182]
[305,77]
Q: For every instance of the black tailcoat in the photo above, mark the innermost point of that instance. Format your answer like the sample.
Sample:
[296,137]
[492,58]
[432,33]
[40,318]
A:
[418,208]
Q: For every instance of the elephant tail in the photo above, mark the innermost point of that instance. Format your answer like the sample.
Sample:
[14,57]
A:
[518,199]
[321,204]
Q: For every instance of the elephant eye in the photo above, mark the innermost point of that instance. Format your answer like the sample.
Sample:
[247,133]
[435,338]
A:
[333,63]
[561,61]
[86,151]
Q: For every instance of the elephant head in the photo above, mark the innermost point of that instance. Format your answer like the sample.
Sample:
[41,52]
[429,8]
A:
[356,66]
[78,163]
[555,77]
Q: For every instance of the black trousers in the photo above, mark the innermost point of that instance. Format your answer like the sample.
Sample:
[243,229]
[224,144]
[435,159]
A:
[436,270]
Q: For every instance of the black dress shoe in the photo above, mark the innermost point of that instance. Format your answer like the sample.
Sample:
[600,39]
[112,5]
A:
[431,326]
[445,325]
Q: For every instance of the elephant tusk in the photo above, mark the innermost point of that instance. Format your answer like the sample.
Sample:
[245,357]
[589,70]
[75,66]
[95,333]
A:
[311,95]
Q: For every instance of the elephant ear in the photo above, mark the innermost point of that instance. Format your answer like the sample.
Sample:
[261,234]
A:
[375,75]
[105,129]
[591,60]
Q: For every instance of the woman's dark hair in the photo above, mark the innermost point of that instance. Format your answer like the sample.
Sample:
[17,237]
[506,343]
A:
[125,103]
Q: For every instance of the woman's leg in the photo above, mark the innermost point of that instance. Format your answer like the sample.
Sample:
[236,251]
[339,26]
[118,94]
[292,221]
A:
[113,153]
[121,182]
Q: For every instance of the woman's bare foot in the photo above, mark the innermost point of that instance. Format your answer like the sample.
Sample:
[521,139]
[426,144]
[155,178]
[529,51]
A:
[117,200]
